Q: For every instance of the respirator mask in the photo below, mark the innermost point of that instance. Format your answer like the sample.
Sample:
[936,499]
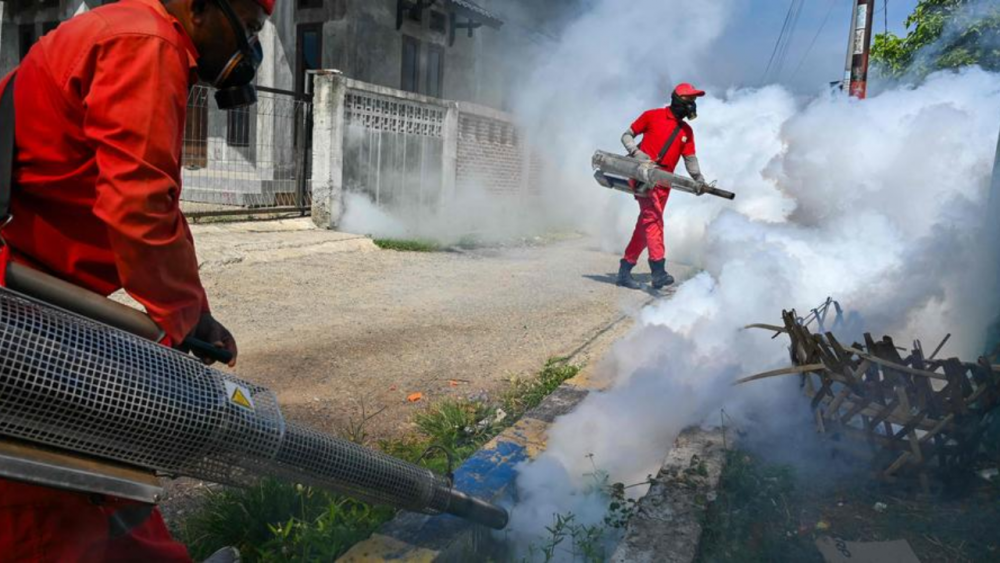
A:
[234,84]
[683,109]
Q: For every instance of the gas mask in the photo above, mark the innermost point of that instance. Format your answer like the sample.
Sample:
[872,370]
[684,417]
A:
[683,109]
[234,84]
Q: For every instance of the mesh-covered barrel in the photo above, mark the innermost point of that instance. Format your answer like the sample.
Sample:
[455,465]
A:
[74,384]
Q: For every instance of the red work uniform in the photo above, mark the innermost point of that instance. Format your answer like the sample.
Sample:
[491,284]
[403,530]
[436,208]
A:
[656,127]
[100,105]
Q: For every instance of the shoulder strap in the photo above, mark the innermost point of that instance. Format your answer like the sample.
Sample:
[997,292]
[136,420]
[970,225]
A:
[670,141]
[7,147]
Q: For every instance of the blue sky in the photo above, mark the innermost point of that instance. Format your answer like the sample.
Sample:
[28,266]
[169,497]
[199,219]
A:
[743,54]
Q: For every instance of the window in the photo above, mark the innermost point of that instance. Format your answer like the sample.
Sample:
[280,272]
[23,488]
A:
[435,71]
[305,4]
[26,38]
[416,13]
[308,56]
[309,52]
[238,127]
[439,22]
[411,64]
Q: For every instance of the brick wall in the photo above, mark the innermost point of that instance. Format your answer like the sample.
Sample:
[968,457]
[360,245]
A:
[489,154]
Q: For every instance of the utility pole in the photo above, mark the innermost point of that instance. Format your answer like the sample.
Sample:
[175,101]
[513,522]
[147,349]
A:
[993,247]
[858,48]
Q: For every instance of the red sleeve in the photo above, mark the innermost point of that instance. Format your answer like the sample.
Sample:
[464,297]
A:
[639,126]
[688,148]
[135,117]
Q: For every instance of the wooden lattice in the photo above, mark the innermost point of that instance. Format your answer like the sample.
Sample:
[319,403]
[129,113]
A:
[919,414]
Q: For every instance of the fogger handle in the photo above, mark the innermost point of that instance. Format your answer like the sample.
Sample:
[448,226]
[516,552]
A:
[69,297]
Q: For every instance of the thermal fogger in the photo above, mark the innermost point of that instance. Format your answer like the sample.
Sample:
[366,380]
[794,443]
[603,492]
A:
[87,406]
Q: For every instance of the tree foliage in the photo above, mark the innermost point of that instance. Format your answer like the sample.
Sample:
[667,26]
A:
[942,34]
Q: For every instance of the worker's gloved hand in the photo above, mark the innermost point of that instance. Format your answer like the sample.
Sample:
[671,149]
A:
[639,155]
[704,186]
[211,331]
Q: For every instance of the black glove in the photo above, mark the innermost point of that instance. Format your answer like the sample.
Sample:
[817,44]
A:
[213,332]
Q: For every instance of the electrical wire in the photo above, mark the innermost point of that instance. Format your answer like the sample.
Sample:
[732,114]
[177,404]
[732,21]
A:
[784,42]
[829,12]
[783,54]
[777,44]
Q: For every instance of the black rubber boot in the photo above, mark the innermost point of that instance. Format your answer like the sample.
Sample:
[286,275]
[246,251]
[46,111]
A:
[625,275]
[661,278]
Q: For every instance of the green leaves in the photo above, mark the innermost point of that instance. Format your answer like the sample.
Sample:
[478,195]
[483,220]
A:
[943,34]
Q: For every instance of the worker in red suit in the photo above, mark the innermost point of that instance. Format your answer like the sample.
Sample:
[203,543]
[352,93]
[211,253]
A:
[665,139]
[100,105]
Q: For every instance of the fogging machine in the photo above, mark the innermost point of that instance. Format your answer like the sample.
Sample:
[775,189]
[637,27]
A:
[620,173]
[99,407]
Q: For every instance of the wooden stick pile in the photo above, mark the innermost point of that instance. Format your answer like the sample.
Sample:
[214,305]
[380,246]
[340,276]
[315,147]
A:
[917,413]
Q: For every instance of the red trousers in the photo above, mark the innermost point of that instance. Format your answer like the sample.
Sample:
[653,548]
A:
[38,524]
[649,226]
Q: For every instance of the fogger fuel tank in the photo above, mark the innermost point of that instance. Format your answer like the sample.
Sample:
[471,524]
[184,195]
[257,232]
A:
[77,386]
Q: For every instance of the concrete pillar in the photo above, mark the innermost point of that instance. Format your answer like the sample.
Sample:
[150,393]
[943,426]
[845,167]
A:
[449,153]
[328,148]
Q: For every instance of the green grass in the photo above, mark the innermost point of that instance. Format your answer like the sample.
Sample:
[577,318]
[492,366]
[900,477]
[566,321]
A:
[407,245]
[276,521]
[281,522]
[751,520]
[526,394]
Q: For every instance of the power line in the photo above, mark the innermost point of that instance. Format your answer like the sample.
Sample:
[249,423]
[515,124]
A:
[783,54]
[777,44]
[833,4]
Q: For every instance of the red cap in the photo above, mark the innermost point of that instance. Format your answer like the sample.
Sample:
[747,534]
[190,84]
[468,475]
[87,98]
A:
[686,89]
[268,5]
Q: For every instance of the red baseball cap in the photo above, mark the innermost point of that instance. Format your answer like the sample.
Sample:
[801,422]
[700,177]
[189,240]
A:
[268,5]
[685,89]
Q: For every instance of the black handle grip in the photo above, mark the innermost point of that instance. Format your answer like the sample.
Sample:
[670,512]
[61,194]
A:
[720,193]
[206,349]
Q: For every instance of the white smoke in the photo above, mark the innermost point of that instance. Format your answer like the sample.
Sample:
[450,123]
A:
[362,216]
[878,203]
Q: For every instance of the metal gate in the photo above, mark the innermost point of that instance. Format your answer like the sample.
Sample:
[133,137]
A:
[254,158]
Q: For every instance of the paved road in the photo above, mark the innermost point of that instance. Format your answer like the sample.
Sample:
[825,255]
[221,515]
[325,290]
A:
[330,322]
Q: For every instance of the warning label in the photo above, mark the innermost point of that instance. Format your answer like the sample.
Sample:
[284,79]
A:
[239,395]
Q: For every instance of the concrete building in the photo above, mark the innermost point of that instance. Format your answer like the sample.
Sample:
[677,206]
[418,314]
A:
[440,48]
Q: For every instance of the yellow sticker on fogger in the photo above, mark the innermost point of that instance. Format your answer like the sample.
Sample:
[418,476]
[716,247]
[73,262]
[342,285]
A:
[239,395]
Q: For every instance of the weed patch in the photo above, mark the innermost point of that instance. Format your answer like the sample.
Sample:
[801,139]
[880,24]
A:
[751,519]
[275,521]
[590,543]
[407,245]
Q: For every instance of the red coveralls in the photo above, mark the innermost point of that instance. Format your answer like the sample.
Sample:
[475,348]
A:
[656,126]
[101,105]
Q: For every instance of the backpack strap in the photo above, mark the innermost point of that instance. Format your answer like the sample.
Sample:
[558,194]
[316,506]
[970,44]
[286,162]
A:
[670,141]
